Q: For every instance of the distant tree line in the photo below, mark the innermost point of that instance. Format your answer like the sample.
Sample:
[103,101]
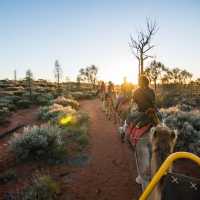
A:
[88,74]
[158,72]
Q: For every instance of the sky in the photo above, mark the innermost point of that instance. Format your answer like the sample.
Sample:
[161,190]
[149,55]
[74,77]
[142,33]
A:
[79,33]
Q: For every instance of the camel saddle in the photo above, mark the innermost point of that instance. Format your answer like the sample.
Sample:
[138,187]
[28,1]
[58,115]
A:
[135,133]
[142,127]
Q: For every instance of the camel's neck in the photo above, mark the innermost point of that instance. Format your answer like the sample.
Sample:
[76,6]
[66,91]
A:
[158,157]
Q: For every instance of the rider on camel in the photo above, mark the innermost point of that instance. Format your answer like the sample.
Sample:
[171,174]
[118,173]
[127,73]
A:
[111,89]
[144,97]
[102,90]
[146,114]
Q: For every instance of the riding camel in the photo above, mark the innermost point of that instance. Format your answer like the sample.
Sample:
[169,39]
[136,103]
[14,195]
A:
[163,141]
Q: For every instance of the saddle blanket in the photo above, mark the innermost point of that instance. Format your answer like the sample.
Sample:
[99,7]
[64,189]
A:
[135,133]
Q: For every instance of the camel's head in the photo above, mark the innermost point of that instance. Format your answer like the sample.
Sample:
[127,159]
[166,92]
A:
[163,140]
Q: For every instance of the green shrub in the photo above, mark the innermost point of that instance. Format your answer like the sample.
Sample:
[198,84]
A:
[79,130]
[67,102]
[18,93]
[45,115]
[4,113]
[188,126]
[82,140]
[68,95]
[23,103]
[9,99]
[44,99]
[82,118]
[7,176]
[10,106]
[76,130]
[45,142]
[9,102]
[42,188]
[12,88]
[83,94]
[54,112]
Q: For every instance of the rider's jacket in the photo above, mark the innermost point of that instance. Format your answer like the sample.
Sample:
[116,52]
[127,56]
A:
[144,98]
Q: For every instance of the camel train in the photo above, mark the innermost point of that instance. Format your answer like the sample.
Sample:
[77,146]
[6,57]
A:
[153,146]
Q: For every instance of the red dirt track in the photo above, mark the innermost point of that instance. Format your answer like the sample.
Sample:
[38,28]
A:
[110,174]
[21,117]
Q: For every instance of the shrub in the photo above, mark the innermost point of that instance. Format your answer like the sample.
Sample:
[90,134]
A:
[7,176]
[185,107]
[67,102]
[42,188]
[45,142]
[45,115]
[10,106]
[12,88]
[84,95]
[4,113]
[44,99]
[78,131]
[76,120]
[55,112]
[188,125]
[18,92]
[9,99]
[77,95]
[82,140]
[23,103]
[68,95]
[9,102]
[173,97]
[61,109]
[82,117]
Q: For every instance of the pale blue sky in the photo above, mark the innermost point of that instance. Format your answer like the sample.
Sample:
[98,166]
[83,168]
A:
[33,33]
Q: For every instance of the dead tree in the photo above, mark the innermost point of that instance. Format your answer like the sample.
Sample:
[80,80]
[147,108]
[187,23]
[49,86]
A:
[29,82]
[141,46]
[58,73]
[15,75]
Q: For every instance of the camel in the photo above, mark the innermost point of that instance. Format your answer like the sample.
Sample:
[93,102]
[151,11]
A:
[122,108]
[163,141]
[109,105]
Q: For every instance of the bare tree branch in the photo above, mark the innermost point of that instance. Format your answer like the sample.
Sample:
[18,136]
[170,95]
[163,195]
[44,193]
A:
[141,46]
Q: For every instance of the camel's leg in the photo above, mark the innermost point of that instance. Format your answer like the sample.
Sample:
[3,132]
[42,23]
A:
[109,109]
[112,111]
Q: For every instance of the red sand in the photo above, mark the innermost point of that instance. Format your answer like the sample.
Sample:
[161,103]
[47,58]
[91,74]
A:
[111,172]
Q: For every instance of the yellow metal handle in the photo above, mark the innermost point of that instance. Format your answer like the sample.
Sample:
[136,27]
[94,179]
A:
[164,168]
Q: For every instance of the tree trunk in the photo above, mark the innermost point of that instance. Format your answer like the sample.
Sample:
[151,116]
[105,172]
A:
[58,81]
[155,85]
[141,64]
[30,90]
[139,71]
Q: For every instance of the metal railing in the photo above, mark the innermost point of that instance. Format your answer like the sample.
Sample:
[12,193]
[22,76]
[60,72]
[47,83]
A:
[164,168]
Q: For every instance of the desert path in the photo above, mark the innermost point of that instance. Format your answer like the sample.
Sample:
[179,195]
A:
[110,173]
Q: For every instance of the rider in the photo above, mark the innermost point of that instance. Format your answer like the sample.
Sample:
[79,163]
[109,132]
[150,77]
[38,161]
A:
[110,88]
[102,90]
[124,97]
[144,97]
[109,98]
